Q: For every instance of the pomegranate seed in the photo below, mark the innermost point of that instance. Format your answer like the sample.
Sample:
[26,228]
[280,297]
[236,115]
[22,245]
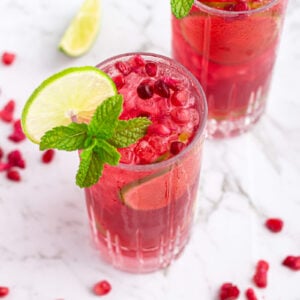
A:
[274,224]
[161,89]
[119,81]
[145,90]
[144,152]
[4,291]
[241,6]
[151,69]
[179,98]
[176,147]
[18,134]
[4,166]
[260,276]
[250,294]
[180,115]
[47,156]
[292,262]
[123,67]
[6,114]
[228,291]
[15,159]
[102,288]
[159,144]
[8,58]
[13,175]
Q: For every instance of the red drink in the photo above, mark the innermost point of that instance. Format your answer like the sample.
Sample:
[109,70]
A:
[141,211]
[230,46]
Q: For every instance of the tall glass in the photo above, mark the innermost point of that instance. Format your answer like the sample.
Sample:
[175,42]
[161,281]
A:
[141,211]
[230,46]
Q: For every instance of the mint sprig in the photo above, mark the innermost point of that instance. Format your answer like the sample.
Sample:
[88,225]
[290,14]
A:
[97,141]
[181,8]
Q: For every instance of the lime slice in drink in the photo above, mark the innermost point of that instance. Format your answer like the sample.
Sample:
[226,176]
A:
[70,95]
[146,193]
[82,30]
[159,189]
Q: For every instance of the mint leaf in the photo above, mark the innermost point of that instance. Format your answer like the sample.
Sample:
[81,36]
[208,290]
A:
[130,131]
[107,153]
[98,140]
[106,116]
[90,168]
[69,138]
[181,8]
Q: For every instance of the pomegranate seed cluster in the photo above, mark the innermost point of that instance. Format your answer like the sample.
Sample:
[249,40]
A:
[102,288]
[150,89]
[229,291]
[12,162]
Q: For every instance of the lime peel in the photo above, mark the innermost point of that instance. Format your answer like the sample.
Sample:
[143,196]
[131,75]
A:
[83,29]
[63,96]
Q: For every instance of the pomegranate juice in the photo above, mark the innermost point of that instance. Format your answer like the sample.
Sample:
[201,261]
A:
[141,211]
[230,46]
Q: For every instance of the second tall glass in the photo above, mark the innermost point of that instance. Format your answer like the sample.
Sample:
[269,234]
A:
[231,49]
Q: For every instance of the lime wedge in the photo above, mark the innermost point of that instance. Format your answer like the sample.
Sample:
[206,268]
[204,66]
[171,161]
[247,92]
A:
[70,95]
[157,190]
[146,193]
[83,29]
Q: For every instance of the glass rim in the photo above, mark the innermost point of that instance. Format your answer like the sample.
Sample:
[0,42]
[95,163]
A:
[213,10]
[200,129]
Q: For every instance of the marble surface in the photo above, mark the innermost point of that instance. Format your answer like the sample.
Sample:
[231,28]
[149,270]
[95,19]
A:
[45,247]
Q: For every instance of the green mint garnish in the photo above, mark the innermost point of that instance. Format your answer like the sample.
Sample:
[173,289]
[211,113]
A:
[98,140]
[181,8]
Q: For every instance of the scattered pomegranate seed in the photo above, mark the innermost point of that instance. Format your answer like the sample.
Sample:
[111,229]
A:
[136,62]
[47,156]
[18,134]
[176,147]
[119,81]
[151,69]
[4,291]
[145,90]
[274,224]
[4,166]
[292,262]
[260,276]
[173,84]
[123,67]
[228,291]
[6,114]
[8,58]
[15,159]
[250,294]
[102,288]
[13,175]
[161,89]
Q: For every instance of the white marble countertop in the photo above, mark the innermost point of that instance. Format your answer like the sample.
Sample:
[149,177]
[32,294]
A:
[45,247]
